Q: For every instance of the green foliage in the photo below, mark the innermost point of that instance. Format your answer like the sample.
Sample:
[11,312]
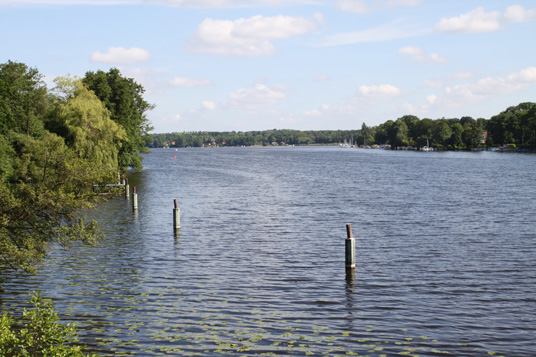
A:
[123,98]
[249,138]
[23,101]
[516,125]
[41,333]
[441,133]
[53,148]
[6,154]
[86,123]
[400,133]
[456,139]
[43,199]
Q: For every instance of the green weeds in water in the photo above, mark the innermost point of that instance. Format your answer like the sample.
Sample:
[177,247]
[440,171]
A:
[166,321]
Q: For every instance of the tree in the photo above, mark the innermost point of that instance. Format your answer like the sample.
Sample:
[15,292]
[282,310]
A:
[86,124]
[6,155]
[514,125]
[441,133]
[411,122]
[399,133]
[456,139]
[123,98]
[383,133]
[23,101]
[43,198]
[367,134]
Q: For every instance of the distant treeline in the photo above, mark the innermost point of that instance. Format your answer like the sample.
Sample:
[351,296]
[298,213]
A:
[250,138]
[516,126]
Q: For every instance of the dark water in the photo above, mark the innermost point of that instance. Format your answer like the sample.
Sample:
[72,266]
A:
[446,256]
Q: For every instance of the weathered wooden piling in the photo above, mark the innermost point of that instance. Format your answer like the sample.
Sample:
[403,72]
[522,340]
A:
[134,199]
[127,189]
[350,247]
[176,216]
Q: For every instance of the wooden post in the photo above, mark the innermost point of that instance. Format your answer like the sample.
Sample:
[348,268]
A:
[350,247]
[176,216]
[127,189]
[134,199]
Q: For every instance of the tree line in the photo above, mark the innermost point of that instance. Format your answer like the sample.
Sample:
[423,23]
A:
[250,138]
[516,126]
[54,145]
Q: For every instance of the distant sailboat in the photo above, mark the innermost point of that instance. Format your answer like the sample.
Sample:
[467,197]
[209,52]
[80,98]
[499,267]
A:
[345,144]
[427,147]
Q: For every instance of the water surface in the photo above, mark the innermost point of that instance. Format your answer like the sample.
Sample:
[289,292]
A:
[446,256]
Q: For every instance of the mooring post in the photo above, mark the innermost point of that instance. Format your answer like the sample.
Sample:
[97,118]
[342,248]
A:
[176,216]
[127,189]
[134,199]
[350,247]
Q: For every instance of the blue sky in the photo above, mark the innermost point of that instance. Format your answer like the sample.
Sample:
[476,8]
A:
[224,65]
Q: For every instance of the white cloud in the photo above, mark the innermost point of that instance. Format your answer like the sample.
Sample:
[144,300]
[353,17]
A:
[418,55]
[68,2]
[345,108]
[313,113]
[391,31]
[381,91]
[177,3]
[463,75]
[518,14]
[403,2]
[209,105]
[409,108]
[364,6]
[255,97]
[247,36]
[485,88]
[527,75]
[431,98]
[474,21]
[121,55]
[227,3]
[478,20]
[355,6]
[189,82]
[432,58]
[410,51]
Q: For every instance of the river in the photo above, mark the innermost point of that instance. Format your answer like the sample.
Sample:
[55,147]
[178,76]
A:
[445,251]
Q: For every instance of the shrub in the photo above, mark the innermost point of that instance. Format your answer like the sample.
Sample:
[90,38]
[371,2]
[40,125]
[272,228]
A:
[39,334]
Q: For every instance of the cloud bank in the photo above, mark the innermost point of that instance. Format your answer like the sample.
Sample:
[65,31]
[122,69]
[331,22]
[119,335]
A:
[248,36]
[479,21]
[121,55]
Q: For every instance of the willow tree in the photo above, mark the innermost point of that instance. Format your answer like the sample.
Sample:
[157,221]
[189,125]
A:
[43,198]
[86,123]
[46,183]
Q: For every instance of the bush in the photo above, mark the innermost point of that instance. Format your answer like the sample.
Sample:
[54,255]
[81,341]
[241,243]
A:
[39,334]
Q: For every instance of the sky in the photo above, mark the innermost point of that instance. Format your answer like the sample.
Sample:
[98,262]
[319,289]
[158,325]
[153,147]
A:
[241,65]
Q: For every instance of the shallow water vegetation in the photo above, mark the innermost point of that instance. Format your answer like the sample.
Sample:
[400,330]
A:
[38,333]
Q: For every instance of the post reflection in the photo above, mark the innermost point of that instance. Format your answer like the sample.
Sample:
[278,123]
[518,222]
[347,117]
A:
[349,291]
[177,236]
